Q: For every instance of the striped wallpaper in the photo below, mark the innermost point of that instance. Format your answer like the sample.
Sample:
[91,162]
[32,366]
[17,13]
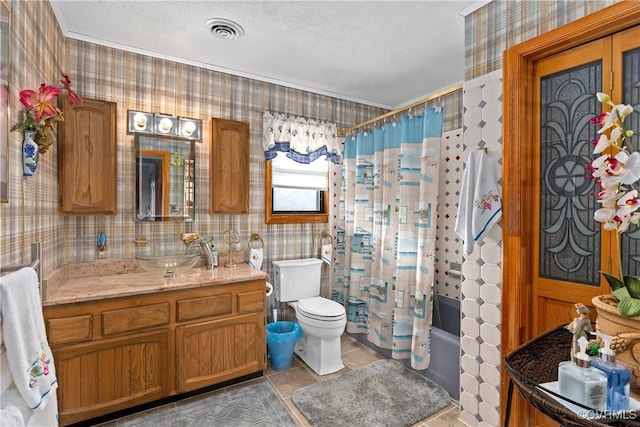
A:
[134,81]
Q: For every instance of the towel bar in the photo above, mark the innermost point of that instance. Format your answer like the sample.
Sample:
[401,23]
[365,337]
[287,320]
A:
[36,256]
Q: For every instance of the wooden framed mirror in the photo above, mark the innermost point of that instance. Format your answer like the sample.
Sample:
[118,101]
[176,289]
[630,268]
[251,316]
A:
[165,175]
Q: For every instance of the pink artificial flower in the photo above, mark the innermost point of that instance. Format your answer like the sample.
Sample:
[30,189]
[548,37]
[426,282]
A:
[74,98]
[42,103]
[600,119]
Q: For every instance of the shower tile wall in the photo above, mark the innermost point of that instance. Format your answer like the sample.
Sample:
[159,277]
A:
[448,244]
[481,270]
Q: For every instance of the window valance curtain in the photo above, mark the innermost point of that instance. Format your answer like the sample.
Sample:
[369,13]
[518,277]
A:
[304,140]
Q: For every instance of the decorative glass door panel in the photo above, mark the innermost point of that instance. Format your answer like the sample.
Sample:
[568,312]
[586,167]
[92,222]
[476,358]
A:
[569,236]
[631,95]
[569,249]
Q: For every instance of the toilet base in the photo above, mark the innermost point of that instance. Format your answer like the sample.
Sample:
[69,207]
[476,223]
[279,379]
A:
[322,355]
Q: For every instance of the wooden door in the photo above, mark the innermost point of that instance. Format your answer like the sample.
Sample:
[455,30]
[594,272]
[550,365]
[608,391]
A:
[626,90]
[521,172]
[229,166]
[569,248]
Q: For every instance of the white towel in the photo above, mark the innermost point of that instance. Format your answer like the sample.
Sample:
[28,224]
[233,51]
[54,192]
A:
[28,351]
[326,253]
[480,206]
[13,409]
[255,258]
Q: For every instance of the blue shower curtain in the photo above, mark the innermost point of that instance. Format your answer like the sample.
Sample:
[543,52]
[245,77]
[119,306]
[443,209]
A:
[384,271]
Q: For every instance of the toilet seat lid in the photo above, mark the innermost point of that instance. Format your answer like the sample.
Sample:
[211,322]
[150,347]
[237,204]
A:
[320,307]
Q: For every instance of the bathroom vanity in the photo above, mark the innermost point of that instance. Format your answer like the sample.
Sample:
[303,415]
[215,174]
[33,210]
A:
[120,340]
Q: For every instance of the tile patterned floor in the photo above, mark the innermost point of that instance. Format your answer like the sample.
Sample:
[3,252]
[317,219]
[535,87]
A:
[354,355]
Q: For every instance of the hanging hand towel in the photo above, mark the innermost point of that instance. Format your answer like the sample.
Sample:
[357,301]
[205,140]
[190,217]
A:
[30,357]
[326,251]
[255,258]
[480,206]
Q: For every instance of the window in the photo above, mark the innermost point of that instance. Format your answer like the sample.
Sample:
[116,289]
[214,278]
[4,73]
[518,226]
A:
[297,152]
[286,205]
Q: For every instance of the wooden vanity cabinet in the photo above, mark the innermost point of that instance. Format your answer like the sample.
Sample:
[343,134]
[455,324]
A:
[118,353]
[87,157]
[227,339]
[104,376]
[229,166]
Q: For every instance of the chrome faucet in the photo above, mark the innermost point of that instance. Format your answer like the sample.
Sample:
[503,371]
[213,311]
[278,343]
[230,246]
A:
[208,253]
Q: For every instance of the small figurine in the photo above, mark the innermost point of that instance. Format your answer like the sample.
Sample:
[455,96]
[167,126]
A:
[580,327]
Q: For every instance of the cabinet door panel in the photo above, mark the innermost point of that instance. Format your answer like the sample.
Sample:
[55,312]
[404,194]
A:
[87,157]
[108,375]
[229,166]
[219,350]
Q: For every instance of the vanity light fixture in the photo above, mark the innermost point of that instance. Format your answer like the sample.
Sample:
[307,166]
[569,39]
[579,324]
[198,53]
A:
[163,125]
[189,128]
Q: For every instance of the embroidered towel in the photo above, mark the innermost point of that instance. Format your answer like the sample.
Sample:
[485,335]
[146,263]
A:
[255,258]
[30,358]
[480,206]
[326,253]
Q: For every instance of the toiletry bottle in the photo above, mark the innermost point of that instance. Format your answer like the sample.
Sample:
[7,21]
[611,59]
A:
[214,255]
[618,376]
[580,382]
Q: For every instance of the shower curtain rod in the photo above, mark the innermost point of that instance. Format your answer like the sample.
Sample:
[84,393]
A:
[343,132]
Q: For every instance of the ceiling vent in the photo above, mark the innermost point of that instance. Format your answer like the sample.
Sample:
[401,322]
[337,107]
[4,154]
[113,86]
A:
[224,28]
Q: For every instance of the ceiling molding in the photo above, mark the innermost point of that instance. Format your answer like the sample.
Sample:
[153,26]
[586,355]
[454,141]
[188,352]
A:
[473,7]
[84,38]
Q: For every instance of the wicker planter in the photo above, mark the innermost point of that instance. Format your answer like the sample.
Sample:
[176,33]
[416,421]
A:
[626,333]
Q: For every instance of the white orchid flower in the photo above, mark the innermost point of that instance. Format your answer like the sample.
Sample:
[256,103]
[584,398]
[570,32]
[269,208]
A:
[623,110]
[631,172]
[628,204]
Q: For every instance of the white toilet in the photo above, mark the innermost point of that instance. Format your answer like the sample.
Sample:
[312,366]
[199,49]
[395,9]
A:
[297,282]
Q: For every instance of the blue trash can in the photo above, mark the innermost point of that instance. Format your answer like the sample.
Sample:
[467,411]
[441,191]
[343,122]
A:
[281,340]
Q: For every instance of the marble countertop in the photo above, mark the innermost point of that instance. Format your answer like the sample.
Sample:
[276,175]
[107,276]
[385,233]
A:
[98,280]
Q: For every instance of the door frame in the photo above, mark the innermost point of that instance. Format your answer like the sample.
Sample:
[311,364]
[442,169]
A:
[517,241]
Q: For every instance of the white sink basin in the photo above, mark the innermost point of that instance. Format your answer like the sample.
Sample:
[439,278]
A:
[168,266]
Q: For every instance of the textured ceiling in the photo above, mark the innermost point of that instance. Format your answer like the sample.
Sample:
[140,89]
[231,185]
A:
[384,53]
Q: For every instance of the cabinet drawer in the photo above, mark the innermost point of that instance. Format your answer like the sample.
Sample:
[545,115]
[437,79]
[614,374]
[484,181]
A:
[197,308]
[250,302]
[133,319]
[67,330]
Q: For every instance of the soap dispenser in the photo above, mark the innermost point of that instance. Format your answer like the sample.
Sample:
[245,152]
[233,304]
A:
[618,376]
[580,382]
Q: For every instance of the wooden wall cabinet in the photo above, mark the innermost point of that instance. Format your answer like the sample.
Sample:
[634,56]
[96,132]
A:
[87,157]
[117,353]
[229,166]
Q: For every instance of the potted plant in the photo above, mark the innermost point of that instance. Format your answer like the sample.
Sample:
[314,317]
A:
[616,172]
[38,121]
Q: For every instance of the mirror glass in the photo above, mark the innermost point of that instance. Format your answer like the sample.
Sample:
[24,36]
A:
[164,178]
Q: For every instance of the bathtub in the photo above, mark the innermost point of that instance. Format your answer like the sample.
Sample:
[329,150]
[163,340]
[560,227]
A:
[445,361]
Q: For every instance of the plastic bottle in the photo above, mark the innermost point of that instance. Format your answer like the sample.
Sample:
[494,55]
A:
[580,382]
[618,376]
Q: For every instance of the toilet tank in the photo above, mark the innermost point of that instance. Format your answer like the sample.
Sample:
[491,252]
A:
[295,279]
